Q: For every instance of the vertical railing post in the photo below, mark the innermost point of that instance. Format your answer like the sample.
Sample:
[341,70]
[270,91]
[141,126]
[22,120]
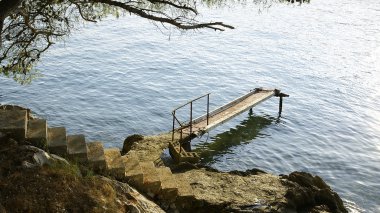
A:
[180,142]
[173,126]
[280,106]
[191,118]
[208,106]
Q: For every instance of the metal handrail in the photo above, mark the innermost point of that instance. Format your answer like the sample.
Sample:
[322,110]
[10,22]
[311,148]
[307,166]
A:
[182,126]
[177,120]
[195,99]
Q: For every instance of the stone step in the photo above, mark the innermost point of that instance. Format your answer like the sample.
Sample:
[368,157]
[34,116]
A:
[169,187]
[151,179]
[110,155]
[57,141]
[184,189]
[114,163]
[37,132]
[14,123]
[77,149]
[185,195]
[133,172]
[96,157]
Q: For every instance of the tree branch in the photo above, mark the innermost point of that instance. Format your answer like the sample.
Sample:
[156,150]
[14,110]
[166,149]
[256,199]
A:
[140,12]
[81,13]
[6,8]
[184,7]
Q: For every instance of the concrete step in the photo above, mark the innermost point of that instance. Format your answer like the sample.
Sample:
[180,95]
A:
[169,187]
[191,157]
[37,132]
[96,157]
[77,149]
[14,123]
[114,163]
[133,172]
[174,151]
[57,141]
[151,179]
[159,162]
[180,155]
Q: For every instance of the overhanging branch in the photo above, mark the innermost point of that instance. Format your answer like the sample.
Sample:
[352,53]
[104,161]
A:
[175,22]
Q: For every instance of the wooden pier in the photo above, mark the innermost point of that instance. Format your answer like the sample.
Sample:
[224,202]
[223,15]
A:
[210,120]
[203,124]
[224,113]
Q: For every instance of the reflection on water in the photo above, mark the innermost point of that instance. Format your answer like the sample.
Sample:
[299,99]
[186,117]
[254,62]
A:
[247,130]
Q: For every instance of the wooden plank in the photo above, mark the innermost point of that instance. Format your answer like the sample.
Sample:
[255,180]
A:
[229,111]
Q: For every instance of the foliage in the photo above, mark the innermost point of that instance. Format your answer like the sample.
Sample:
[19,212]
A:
[68,170]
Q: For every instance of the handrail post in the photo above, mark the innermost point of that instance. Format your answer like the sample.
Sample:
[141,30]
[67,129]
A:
[191,119]
[173,126]
[208,106]
[180,143]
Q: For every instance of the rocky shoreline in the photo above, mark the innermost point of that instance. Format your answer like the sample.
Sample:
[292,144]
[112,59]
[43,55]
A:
[35,180]
[250,191]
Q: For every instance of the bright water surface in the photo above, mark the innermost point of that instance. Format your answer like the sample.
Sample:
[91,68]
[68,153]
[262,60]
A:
[121,77]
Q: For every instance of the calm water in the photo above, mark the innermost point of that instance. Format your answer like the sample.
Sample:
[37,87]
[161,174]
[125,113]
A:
[124,76]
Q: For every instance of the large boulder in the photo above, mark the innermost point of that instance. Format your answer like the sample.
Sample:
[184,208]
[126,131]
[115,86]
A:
[132,199]
[39,157]
[129,141]
[307,192]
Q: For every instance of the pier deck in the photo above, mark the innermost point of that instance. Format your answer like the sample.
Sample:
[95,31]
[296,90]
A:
[227,112]
[224,113]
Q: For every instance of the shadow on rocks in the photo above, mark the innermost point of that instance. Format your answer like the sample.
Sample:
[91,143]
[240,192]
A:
[248,172]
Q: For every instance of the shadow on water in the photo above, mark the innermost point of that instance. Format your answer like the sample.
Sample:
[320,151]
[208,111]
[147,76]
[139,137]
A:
[210,149]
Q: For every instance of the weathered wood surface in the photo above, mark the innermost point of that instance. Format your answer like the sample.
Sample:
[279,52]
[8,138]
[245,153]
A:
[227,112]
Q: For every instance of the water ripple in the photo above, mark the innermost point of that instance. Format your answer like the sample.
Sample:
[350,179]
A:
[326,55]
